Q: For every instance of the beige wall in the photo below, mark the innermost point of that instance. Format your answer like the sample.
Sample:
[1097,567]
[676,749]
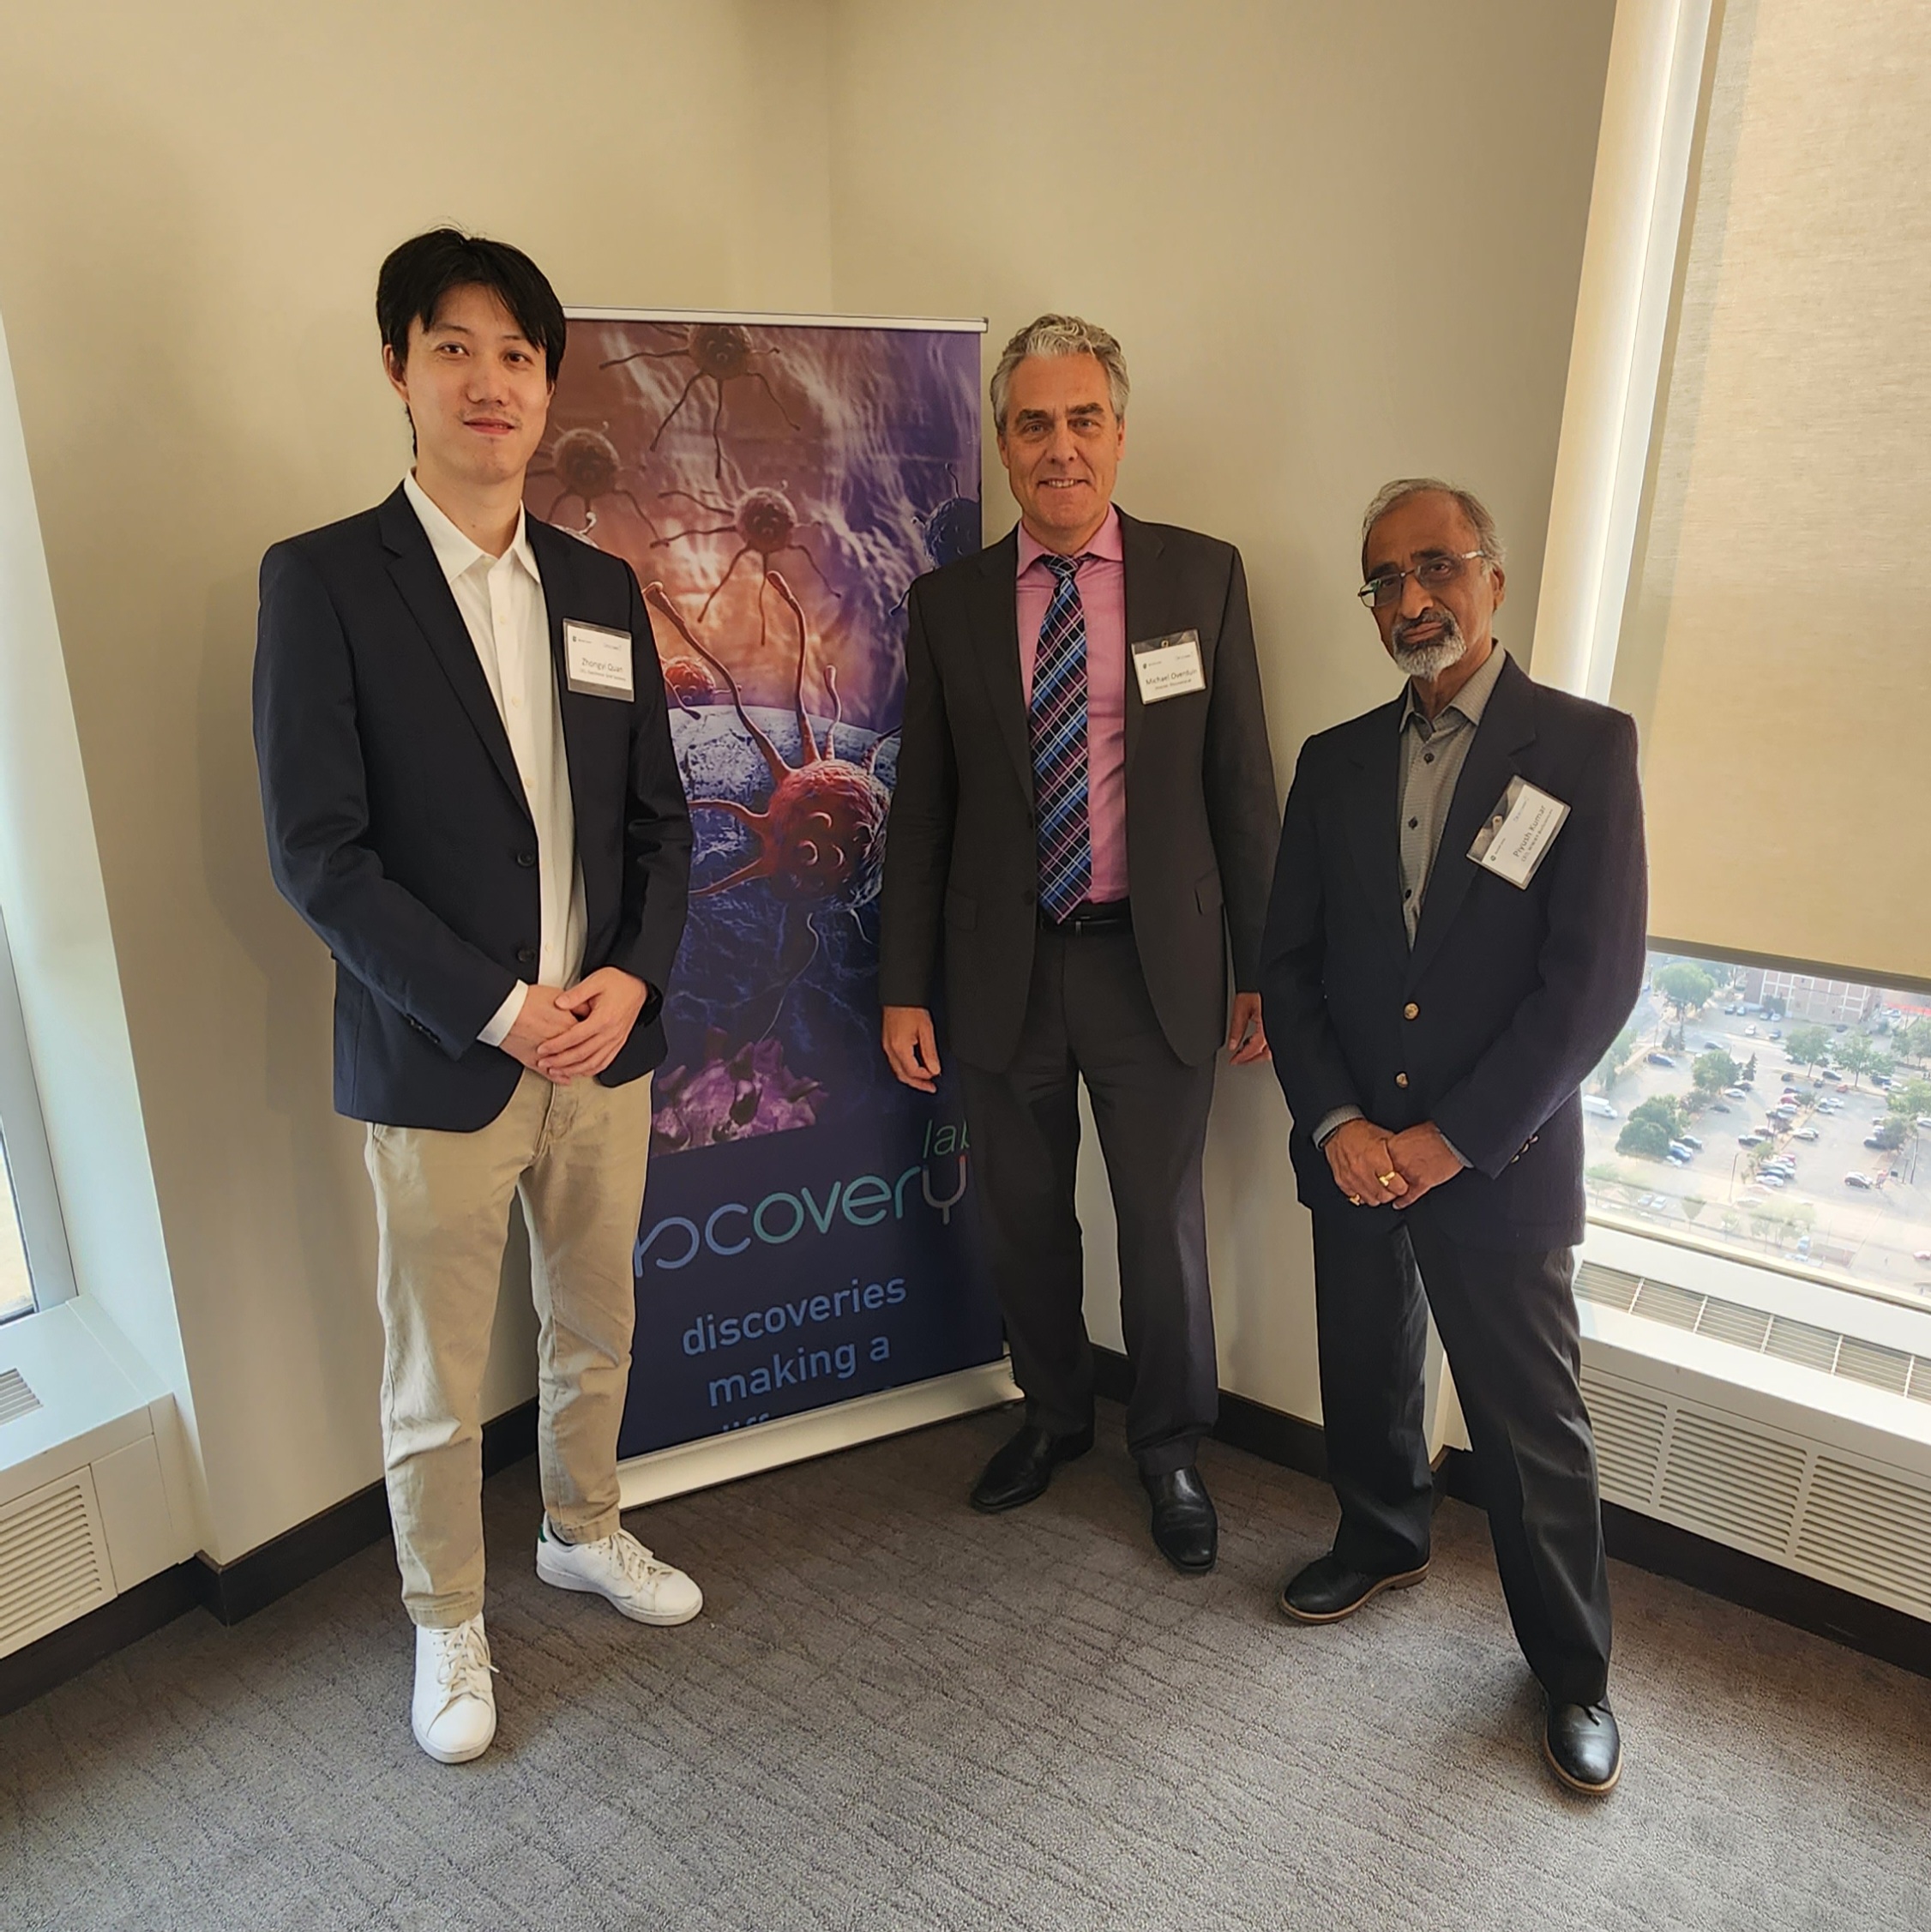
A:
[201,193]
[1339,243]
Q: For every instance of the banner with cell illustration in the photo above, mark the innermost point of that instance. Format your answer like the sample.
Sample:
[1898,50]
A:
[777,484]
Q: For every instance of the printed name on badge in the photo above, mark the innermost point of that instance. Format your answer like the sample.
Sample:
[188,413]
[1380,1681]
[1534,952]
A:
[597,661]
[1520,829]
[1169,667]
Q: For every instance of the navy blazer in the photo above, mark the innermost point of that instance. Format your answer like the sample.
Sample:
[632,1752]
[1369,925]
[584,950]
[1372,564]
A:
[397,822]
[1489,1026]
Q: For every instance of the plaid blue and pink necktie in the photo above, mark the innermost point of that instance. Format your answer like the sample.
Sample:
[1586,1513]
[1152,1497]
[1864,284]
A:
[1058,723]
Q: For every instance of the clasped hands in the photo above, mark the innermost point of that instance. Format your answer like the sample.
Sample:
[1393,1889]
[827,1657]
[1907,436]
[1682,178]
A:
[575,1034]
[1374,1168]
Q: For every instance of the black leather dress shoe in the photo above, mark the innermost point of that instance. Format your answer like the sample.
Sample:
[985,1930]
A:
[1186,1530]
[1021,1470]
[1583,1747]
[1327,1590]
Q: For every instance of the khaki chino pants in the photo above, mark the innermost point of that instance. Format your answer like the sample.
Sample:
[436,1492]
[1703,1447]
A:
[577,1155]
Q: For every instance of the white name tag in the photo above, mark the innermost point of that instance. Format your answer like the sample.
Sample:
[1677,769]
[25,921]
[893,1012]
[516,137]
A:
[1520,829]
[1169,667]
[597,660]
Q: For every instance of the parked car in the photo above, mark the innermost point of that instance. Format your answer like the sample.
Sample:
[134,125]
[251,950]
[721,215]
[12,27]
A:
[1680,1150]
[1679,1157]
[1718,1107]
[1659,1060]
[1595,1103]
[1784,1114]
[1923,1120]
[1751,1139]
[1734,1093]
[1691,1141]
[1872,1141]
[1857,1180]
[1771,1180]
[1750,1032]
[1803,1132]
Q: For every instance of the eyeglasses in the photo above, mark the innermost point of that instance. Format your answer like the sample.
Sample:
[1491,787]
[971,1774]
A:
[1432,573]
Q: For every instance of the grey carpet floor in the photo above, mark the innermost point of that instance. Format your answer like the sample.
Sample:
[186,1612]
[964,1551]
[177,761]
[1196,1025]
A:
[896,1713]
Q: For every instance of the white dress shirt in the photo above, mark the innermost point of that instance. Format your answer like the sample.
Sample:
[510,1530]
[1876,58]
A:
[502,602]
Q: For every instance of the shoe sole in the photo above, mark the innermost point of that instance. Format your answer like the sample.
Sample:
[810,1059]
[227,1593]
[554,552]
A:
[1019,1502]
[1406,1580]
[661,1620]
[452,1757]
[1191,1569]
[1577,1784]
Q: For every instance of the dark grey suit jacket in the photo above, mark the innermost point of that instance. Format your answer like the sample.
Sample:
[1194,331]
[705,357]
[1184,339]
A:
[961,848]
[1489,1024]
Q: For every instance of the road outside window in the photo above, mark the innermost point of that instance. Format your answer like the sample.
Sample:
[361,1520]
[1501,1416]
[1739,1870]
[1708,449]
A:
[1772,1114]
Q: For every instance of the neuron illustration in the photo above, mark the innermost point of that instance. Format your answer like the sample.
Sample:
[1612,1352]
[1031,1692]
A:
[821,833]
[951,531]
[718,352]
[688,683]
[766,526]
[586,464]
[820,837]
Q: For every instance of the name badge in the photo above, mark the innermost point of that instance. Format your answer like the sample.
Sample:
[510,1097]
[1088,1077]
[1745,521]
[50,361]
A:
[1169,667]
[597,661]
[1520,829]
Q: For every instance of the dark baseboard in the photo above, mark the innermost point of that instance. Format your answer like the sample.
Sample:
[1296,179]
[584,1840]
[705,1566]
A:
[230,1592]
[1892,1635]
[78,1645]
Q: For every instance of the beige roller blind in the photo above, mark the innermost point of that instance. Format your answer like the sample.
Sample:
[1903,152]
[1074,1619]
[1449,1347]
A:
[1776,639]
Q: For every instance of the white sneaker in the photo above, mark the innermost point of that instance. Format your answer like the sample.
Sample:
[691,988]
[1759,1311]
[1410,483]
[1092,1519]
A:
[453,1712]
[620,1569]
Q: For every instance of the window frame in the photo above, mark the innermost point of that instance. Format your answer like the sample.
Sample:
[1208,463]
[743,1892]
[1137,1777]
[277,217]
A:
[43,1224]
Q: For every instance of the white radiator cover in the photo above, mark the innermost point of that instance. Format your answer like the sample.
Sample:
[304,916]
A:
[53,1560]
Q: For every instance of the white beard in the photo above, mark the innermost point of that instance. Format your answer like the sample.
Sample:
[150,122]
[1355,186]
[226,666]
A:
[1428,661]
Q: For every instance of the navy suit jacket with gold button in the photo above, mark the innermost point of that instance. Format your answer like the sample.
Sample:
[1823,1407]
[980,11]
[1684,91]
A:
[397,826]
[1509,996]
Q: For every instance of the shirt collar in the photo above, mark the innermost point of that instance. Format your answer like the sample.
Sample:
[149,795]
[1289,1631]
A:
[1105,544]
[1471,701]
[455,552]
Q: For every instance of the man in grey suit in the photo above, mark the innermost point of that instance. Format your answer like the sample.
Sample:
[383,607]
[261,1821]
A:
[1086,813]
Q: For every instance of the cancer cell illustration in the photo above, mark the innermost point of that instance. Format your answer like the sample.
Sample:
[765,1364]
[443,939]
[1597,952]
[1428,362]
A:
[586,464]
[766,526]
[719,353]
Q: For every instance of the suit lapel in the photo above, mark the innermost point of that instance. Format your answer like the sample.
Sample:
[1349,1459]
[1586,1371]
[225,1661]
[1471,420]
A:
[1507,725]
[1372,813]
[1148,613]
[419,577]
[556,565]
[993,627]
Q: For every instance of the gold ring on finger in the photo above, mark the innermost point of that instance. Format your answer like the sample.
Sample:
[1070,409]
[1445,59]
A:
[1386,1180]
[1357,1200]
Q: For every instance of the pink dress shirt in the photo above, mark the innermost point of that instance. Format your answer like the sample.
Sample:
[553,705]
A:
[1102,579]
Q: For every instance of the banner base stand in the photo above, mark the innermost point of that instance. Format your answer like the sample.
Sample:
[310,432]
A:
[817,1432]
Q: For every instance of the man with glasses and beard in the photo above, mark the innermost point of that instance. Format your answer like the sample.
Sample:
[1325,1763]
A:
[1456,934]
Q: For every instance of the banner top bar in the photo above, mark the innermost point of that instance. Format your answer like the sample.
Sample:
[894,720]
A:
[961,325]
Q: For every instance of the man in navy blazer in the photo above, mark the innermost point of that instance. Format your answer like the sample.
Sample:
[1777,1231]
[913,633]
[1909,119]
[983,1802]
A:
[470,796]
[1456,934]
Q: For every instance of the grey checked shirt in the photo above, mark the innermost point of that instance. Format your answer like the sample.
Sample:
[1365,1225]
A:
[1432,757]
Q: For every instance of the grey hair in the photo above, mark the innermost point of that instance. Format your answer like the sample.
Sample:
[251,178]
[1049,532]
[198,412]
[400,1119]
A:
[1061,335]
[1472,506]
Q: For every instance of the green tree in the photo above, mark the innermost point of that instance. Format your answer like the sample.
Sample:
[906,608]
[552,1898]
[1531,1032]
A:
[1890,1133]
[1713,1071]
[1615,1063]
[1808,1045]
[1910,1098]
[1685,984]
[1649,1138]
[1858,1054]
[1665,1109]
[1914,1040]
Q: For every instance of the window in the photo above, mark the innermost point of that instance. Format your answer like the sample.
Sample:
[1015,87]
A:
[1773,1114]
[34,1267]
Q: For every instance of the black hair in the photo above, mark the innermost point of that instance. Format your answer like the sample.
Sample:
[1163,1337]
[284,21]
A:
[417,275]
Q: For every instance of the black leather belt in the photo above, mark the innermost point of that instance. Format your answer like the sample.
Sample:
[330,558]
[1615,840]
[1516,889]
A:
[1114,916]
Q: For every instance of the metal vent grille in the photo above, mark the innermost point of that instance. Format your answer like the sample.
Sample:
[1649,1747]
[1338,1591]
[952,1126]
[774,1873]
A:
[1628,1430]
[1610,1286]
[1733,1481]
[1749,1485]
[1742,1326]
[53,1560]
[1869,1528]
[16,1399]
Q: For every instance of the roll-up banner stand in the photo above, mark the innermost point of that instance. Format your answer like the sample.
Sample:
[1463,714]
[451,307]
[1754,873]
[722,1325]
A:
[808,1270]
